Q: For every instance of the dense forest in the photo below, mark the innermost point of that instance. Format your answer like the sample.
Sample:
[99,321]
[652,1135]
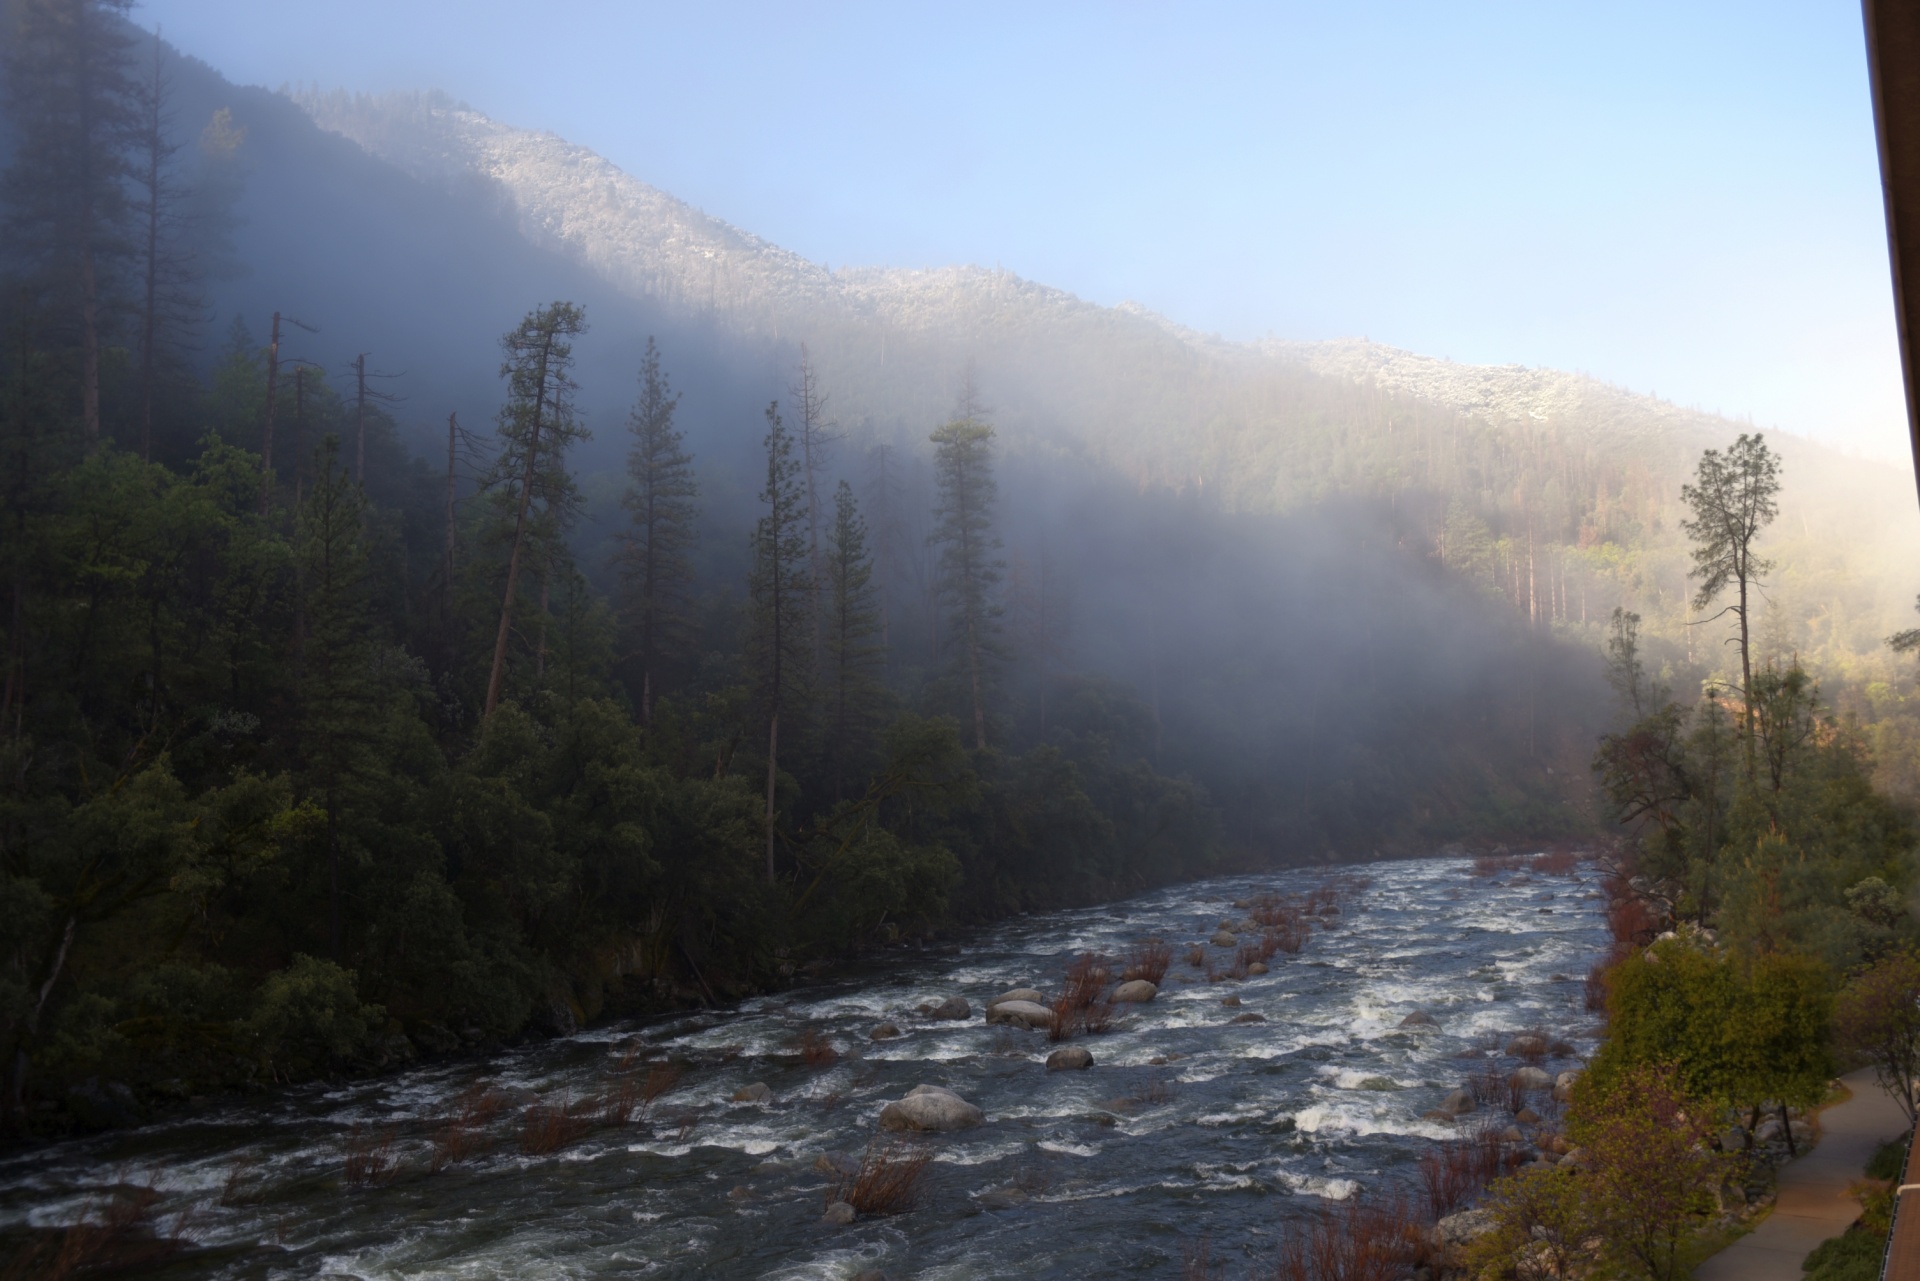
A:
[330,740]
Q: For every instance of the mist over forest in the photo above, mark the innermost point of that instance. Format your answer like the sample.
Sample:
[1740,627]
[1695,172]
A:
[1120,603]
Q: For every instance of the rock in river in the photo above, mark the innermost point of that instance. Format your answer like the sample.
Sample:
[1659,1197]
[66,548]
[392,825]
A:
[1136,990]
[930,1107]
[1027,1014]
[953,1007]
[839,1213]
[1457,1104]
[1019,994]
[1069,1057]
[885,1032]
[1531,1078]
[1223,938]
[755,1093]
[1419,1018]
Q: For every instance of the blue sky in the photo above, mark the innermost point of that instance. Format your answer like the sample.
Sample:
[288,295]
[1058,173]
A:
[1682,199]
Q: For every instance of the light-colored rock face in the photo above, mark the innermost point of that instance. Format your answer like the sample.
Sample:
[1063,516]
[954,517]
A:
[930,1107]
[1464,1227]
[1027,1014]
[1459,1103]
[1135,990]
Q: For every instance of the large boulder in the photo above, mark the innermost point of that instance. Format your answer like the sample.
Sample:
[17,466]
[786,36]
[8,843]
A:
[1135,990]
[1527,1046]
[755,1093]
[1224,938]
[930,1107]
[840,1214]
[885,1032]
[1459,1103]
[1024,1014]
[1070,1058]
[953,1007]
[1563,1086]
[1463,1228]
[1419,1018]
[1019,994]
[1531,1078]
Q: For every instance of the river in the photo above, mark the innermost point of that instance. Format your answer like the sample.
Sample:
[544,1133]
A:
[1189,1126]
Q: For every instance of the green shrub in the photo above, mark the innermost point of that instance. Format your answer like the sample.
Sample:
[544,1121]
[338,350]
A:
[1854,1255]
[308,1017]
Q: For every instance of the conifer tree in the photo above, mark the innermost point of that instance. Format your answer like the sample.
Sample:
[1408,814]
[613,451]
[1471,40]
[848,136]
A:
[852,652]
[969,571]
[71,96]
[530,475]
[656,574]
[1732,499]
[816,441]
[780,586]
[338,691]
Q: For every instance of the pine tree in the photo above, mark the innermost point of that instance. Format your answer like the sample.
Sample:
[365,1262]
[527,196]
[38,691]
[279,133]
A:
[969,572]
[1733,500]
[339,694]
[656,574]
[852,653]
[72,99]
[780,587]
[817,438]
[530,475]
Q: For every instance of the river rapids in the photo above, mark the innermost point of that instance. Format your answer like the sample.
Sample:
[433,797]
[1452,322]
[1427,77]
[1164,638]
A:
[1189,1127]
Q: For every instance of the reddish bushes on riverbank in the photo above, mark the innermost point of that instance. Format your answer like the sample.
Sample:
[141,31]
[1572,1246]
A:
[888,1180]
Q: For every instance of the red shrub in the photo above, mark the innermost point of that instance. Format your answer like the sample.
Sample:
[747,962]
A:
[1149,961]
[370,1158]
[816,1050]
[1357,1240]
[888,1180]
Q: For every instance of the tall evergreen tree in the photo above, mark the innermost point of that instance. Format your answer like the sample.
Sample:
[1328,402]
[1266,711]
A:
[969,571]
[817,437]
[339,695]
[780,586]
[656,573]
[1732,499]
[530,475]
[852,653]
[73,102]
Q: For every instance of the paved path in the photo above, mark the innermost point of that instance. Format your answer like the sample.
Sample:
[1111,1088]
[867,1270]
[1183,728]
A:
[1814,1204]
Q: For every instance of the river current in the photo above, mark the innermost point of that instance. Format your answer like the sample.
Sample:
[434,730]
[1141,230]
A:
[1189,1126]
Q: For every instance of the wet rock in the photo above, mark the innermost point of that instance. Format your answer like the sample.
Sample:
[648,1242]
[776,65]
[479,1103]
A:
[1069,1058]
[1527,1116]
[741,1192]
[1526,1046]
[1563,1086]
[1512,1134]
[1446,1118]
[1025,1014]
[1459,1103]
[435,1039]
[1248,1018]
[1019,994]
[953,1007]
[1258,967]
[1531,1078]
[1136,991]
[1224,938]
[1229,1000]
[885,1032]
[839,1213]
[1000,1199]
[755,1093]
[1419,1018]
[930,1107]
[1378,1083]
[1462,1228]
[837,1164]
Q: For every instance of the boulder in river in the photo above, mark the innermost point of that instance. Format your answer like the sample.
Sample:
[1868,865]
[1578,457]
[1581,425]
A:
[1459,1103]
[1229,1000]
[839,1213]
[930,1107]
[837,1163]
[1025,1014]
[1224,938]
[1419,1018]
[954,1007]
[1257,968]
[1531,1078]
[1563,1086]
[1135,990]
[1462,1228]
[755,1093]
[1527,1046]
[1019,994]
[1069,1058]
[1248,1018]
[885,1032]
